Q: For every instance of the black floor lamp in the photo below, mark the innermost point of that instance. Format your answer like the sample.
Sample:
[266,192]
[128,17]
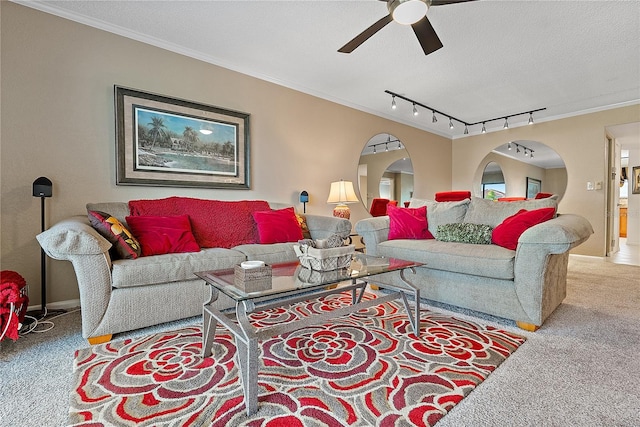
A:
[42,187]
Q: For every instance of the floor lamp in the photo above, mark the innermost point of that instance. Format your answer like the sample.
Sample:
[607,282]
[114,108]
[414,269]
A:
[42,187]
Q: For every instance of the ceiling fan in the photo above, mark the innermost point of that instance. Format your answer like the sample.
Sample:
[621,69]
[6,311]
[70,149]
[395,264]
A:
[406,12]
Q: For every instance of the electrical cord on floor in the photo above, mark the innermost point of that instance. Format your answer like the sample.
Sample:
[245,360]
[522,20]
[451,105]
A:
[42,324]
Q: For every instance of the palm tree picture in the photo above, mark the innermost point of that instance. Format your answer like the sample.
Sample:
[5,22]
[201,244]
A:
[171,142]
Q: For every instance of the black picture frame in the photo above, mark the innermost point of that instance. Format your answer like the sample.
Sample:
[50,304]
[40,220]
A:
[534,186]
[171,142]
[635,183]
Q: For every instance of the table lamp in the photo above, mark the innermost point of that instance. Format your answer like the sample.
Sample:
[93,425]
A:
[342,193]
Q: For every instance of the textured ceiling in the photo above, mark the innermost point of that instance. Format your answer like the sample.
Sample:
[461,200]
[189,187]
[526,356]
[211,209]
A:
[499,57]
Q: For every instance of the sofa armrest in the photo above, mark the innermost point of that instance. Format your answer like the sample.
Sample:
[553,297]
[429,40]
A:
[541,262]
[373,231]
[74,240]
[321,227]
[561,233]
[72,236]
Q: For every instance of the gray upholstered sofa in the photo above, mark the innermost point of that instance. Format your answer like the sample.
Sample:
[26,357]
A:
[525,285]
[126,294]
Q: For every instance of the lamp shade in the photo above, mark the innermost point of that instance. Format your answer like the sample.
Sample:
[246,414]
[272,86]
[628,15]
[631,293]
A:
[342,192]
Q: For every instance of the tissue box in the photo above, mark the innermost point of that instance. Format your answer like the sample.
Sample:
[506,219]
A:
[252,279]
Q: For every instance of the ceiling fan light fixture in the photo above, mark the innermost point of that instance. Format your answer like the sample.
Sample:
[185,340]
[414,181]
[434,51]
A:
[407,12]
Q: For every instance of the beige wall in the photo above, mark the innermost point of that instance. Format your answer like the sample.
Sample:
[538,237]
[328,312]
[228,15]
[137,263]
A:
[580,141]
[58,121]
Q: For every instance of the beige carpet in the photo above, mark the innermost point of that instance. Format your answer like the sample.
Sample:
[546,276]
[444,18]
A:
[582,368]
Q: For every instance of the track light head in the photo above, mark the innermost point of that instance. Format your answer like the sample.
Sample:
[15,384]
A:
[530,118]
[434,119]
[374,149]
[508,146]
[450,123]
[393,103]
[415,110]
[506,124]
[386,147]
[466,130]
[484,129]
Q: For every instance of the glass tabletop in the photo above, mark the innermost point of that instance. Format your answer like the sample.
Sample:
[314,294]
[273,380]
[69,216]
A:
[287,277]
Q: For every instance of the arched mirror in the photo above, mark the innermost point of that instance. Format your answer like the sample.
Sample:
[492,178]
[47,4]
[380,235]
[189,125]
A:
[385,171]
[493,183]
[526,168]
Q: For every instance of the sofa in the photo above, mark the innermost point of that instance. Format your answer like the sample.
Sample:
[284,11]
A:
[524,282]
[118,295]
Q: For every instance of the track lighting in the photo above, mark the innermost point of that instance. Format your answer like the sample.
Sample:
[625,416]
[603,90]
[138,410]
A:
[528,152]
[434,118]
[386,145]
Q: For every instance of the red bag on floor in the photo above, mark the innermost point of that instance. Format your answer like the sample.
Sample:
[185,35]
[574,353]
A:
[13,303]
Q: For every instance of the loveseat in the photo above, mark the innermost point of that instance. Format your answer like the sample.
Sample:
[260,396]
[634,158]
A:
[524,283]
[118,295]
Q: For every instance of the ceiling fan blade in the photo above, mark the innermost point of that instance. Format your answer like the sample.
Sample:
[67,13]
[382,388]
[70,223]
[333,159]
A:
[443,2]
[363,36]
[427,36]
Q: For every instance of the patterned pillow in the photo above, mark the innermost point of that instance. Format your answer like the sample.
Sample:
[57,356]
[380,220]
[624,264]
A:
[306,234]
[462,232]
[125,246]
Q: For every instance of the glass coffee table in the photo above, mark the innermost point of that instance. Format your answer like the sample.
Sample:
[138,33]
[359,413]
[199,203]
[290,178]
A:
[291,283]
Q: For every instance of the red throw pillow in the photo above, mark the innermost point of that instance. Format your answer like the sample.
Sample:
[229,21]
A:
[163,234]
[278,226]
[125,246]
[509,231]
[408,223]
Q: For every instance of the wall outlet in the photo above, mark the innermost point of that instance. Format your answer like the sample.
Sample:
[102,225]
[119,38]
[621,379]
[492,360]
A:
[589,186]
[598,185]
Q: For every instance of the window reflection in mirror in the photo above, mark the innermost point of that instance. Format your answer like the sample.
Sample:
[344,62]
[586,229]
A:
[385,171]
[493,185]
[538,161]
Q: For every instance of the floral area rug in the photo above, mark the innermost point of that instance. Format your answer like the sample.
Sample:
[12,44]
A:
[364,369]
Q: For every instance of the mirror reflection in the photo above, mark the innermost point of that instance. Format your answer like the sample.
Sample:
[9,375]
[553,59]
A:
[518,170]
[385,174]
[493,184]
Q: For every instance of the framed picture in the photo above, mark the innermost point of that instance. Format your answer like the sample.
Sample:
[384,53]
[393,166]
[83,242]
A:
[164,141]
[534,186]
[635,184]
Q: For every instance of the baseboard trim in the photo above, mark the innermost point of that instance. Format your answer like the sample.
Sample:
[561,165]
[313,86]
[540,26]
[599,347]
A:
[60,305]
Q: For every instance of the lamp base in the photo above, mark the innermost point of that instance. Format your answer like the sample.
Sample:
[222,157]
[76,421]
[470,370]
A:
[342,211]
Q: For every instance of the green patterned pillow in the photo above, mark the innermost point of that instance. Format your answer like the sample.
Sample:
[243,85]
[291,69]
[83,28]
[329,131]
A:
[464,232]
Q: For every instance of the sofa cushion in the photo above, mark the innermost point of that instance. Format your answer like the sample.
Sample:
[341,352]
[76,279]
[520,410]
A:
[483,211]
[479,260]
[408,223]
[464,232]
[171,267]
[270,254]
[163,234]
[215,223]
[509,231]
[439,213]
[125,245]
[278,226]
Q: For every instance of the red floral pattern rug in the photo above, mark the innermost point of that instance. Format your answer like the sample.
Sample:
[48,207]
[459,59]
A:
[358,370]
